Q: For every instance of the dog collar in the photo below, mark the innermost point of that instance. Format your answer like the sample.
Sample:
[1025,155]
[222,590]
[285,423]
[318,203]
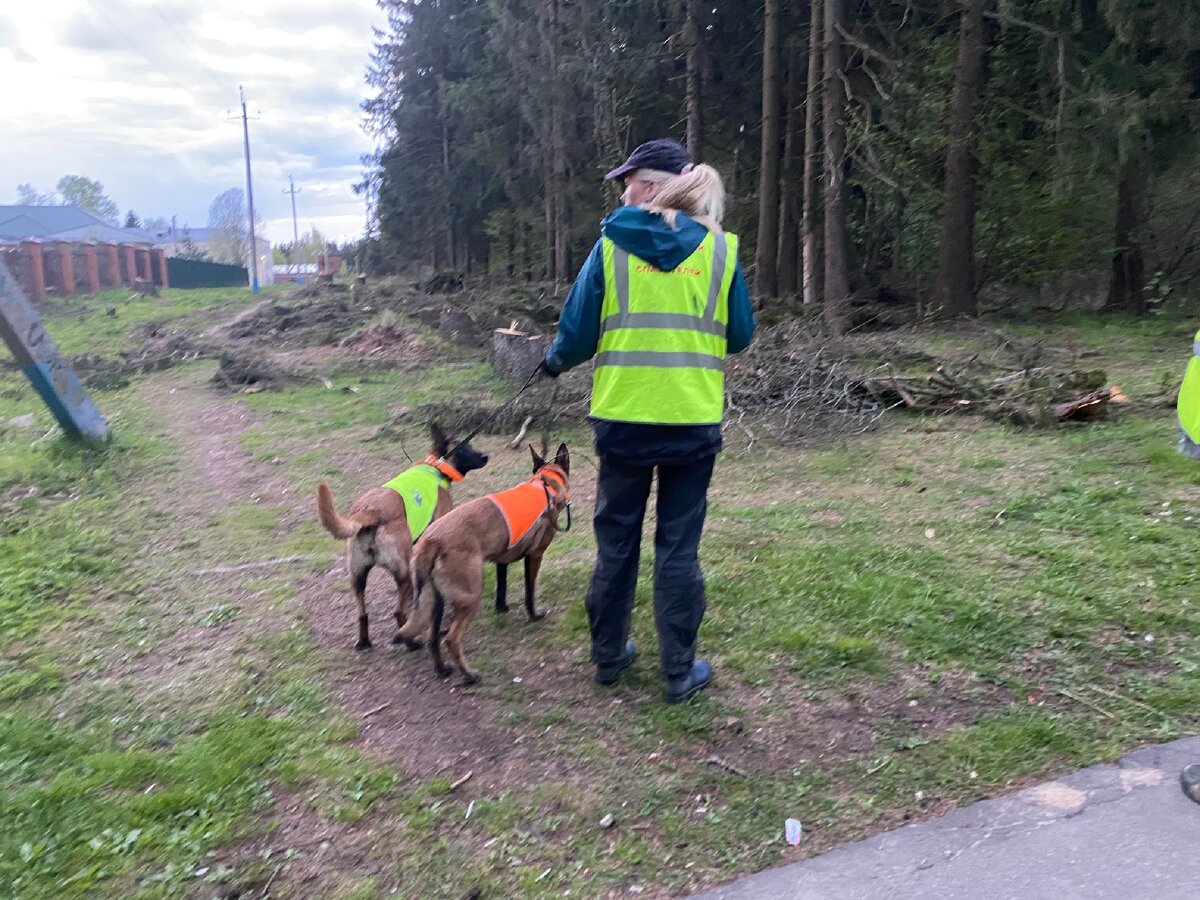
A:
[444,467]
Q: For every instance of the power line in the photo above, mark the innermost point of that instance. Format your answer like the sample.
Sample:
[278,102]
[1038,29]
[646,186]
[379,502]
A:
[189,45]
[155,67]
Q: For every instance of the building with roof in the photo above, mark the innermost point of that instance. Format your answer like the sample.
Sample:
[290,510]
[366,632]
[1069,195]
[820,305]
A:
[75,225]
[64,223]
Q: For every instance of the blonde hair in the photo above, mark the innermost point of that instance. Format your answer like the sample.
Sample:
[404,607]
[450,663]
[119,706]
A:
[697,192]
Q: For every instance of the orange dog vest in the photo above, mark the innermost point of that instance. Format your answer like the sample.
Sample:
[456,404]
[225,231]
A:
[522,506]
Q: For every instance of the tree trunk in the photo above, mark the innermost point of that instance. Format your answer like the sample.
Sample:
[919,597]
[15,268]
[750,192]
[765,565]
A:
[768,170]
[1127,285]
[837,280]
[558,147]
[954,288]
[811,263]
[549,214]
[786,254]
[695,65]
[450,249]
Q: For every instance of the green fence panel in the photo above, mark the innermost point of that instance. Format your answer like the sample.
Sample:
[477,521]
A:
[195,273]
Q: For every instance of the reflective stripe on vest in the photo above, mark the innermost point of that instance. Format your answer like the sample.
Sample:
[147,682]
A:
[662,345]
[1189,395]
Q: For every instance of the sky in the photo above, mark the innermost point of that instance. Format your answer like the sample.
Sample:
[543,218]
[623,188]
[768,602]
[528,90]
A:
[137,94]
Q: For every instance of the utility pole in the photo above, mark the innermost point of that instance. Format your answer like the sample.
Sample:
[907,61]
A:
[174,242]
[249,197]
[295,228]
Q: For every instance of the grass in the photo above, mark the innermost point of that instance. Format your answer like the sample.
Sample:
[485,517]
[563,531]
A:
[925,616]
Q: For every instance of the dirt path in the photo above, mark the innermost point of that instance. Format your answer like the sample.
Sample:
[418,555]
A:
[425,727]
[219,475]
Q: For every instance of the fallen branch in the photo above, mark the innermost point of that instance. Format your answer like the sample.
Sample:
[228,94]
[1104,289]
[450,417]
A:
[229,570]
[267,887]
[516,442]
[460,782]
[378,709]
[720,763]
[1087,703]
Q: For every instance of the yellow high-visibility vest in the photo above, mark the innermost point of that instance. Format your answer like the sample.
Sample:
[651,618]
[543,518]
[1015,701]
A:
[1189,395]
[661,354]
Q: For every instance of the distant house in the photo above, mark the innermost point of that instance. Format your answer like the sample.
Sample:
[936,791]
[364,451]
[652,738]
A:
[297,272]
[70,223]
[64,223]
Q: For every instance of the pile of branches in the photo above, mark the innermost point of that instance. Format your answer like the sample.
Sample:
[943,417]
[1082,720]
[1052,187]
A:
[796,384]
[104,373]
[1039,396]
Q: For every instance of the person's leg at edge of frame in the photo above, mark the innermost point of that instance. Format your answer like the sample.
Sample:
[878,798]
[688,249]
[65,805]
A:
[621,494]
[679,599]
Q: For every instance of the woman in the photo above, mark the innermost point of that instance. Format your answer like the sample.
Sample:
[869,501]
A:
[659,303]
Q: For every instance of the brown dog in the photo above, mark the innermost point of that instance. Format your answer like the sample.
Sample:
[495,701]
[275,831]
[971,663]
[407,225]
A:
[377,528]
[500,528]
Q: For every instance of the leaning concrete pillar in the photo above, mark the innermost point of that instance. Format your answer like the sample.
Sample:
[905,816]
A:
[39,360]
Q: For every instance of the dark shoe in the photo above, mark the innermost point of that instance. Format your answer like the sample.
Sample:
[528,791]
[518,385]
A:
[687,686]
[608,674]
[1189,780]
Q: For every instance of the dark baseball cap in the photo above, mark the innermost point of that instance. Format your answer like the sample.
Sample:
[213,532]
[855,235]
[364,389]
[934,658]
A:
[663,154]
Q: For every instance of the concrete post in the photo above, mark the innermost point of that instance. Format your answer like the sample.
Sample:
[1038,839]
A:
[39,360]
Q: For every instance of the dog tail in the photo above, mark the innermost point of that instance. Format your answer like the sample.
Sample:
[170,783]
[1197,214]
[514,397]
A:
[421,569]
[338,526]
[439,609]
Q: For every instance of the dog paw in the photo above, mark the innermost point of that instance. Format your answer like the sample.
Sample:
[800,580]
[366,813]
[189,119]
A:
[537,615]
[470,679]
[445,671]
[410,643]
[363,645]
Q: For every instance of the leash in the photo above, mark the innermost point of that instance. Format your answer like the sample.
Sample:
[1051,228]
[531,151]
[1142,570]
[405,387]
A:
[505,405]
[547,420]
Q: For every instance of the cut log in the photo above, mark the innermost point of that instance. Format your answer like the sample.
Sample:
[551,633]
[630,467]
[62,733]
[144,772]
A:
[1089,406]
[516,354]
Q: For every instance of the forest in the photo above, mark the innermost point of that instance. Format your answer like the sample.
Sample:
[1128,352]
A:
[950,156]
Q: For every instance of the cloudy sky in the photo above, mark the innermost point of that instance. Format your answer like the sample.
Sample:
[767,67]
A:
[136,94]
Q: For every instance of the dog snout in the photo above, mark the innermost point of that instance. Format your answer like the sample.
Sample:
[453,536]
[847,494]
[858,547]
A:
[484,457]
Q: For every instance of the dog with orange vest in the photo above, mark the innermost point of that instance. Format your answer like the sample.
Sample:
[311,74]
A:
[384,524]
[517,524]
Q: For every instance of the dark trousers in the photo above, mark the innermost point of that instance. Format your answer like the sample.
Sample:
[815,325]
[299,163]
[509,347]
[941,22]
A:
[621,493]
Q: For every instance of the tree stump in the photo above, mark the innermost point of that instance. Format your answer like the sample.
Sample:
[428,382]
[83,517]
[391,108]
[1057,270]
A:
[459,325]
[514,353]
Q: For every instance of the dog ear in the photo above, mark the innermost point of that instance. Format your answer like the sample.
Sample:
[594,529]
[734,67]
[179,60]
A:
[562,459]
[441,443]
[538,462]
